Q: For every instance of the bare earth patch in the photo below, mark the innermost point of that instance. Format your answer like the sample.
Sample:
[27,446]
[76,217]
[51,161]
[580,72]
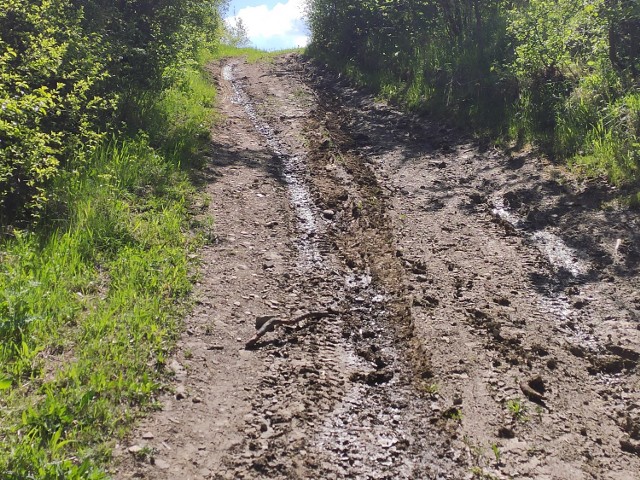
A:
[483,307]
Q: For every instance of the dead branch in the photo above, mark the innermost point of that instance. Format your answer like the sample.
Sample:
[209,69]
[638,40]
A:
[265,325]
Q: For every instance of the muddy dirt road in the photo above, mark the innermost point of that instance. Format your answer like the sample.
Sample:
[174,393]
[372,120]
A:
[478,312]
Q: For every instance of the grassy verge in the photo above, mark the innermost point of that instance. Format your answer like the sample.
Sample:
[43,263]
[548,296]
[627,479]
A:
[90,305]
[253,55]
[588,119]
[607,136]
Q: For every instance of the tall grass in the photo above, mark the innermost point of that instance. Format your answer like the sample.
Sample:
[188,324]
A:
[610,141]
[90,304]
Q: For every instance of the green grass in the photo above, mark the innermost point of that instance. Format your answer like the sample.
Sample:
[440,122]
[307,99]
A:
[252,55]
[517,409]
[91,303]
[611,141]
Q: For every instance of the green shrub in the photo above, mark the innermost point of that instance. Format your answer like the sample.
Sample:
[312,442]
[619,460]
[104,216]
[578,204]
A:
[68,72]
[558,73]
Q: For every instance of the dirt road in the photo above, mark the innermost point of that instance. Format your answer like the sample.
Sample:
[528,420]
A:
[480,310]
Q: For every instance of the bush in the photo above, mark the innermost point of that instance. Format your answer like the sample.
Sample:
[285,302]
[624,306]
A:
[558,73]
[68,72]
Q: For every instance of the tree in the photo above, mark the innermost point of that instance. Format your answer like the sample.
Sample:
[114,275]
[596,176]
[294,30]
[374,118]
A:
[235,33]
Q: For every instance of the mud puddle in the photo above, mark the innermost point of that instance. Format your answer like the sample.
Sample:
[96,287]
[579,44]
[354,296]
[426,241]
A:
[569,267]
[561,257]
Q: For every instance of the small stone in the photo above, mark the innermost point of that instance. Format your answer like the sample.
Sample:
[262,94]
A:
[135,449]
[148,436]
[630,446]
[328,213]
[197,400]
[180,393]
[537,383]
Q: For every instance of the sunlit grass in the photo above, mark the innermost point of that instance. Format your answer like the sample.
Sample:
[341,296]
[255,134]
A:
[611,142]
[91,307]
[252,55]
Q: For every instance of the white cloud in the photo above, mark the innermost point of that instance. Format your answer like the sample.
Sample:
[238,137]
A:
[281,26]
[301,40]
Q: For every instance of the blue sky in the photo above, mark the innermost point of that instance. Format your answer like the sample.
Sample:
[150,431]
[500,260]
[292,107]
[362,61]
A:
[272,24]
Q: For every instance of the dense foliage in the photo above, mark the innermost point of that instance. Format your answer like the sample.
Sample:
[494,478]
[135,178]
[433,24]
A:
[67,71]
[565,74]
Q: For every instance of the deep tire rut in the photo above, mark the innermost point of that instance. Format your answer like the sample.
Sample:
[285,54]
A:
[359,406]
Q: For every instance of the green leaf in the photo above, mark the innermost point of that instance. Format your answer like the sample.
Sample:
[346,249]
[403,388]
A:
[5,383]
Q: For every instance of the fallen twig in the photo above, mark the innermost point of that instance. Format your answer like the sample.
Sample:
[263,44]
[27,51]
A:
[534,389]
[264,327]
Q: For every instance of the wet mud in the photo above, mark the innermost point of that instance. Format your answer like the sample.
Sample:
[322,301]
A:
[484,304]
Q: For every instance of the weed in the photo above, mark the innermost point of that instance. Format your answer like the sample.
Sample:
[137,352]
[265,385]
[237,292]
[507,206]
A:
[476,451]
[517,409]
[145,454]
[431,388]
[453,413]
[496,452]
[208,228]
[478,472]
[633,201]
